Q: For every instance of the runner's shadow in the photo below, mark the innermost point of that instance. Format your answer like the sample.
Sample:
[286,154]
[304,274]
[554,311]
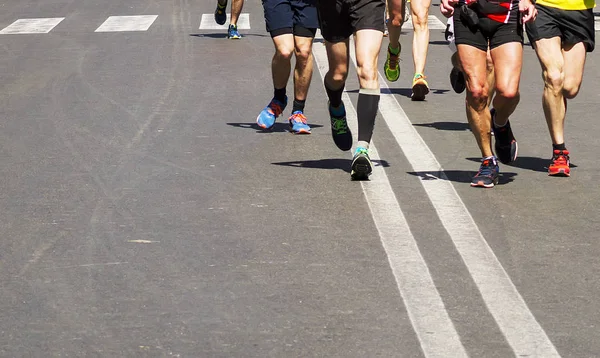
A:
[278,127]
[460,176]
[445,126]
[212,36]
[329,163]
[404,92]
[530,163]
[224,35]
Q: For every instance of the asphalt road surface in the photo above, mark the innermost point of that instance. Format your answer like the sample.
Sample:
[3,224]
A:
[144,215]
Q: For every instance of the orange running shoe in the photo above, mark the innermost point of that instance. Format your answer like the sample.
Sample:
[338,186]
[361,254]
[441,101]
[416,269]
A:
[560,163]
[420,88]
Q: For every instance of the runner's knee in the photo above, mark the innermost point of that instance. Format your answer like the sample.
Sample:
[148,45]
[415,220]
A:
[554,80]
[303,54]
[338,74]
[477,97]
[366,73]
[420,18]
[284,52]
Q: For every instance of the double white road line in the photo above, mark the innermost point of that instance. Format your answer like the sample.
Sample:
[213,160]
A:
[428,315]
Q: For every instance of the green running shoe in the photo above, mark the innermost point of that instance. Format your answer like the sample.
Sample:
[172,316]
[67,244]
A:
[361,165]
[391,67]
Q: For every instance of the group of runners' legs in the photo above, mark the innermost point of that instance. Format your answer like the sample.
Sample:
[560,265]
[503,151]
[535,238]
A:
[487,62]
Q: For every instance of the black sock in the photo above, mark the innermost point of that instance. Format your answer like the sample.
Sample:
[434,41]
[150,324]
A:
[280,94]
[335,96]
[559,146]
[368,102]
[298,105]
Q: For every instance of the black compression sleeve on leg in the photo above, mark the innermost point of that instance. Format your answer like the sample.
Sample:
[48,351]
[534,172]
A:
[368,102]
[335,96]
[279,94]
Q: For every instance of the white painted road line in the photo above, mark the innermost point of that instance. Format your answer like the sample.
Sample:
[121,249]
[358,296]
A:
[432,22]
[32,26]
[127,23]
[207,22]
[522,331]
[425,308]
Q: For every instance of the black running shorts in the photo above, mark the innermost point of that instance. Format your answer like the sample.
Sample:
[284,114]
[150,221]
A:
[572,26]
[298,17]
[488,32]
[341,18]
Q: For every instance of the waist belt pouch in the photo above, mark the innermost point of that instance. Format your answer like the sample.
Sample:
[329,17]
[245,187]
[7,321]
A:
[469,16]
[487,7]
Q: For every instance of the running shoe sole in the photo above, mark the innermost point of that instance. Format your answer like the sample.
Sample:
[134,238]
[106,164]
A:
[361,169]
[221,19]
[420,90]
[481,184]
[457,80]
[562,172]
[300,131]
[263,126]
[514,152]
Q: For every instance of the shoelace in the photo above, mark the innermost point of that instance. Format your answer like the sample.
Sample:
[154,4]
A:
[299,117]
[560,157]
[486,168]
[419,76]
[361,151]
[339,125]
[393,63]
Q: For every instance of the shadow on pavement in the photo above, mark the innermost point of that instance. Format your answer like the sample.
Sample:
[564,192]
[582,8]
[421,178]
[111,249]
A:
[530,163]
[278,127]
[223,35]
[445,126]
[439,42]
[460,176]
[330,163]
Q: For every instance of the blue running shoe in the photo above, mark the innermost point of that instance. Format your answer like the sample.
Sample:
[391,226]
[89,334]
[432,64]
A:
[361,164]
[220,14]
[298,123]
[342,137]
[487,176]
[232,32]
[266,118]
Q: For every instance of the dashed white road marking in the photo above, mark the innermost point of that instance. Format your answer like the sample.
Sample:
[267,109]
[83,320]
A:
[32,26]
[207,22]
[425,308]
[127,23]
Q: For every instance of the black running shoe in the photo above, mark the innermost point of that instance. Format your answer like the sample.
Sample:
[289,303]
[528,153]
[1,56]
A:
[361,165]
[342,137]
[220,14]
[457,80]
[506,144]
[487,176]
